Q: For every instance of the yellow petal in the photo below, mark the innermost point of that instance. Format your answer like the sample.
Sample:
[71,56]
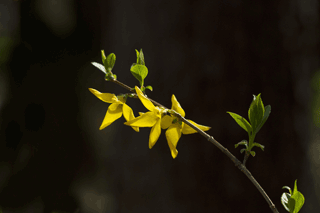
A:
[155,133]
[148,119]
[176,106]
[166,121]
[114,112]
[188,130]
[173,135]
[128,115]
[106,97]
[145,101]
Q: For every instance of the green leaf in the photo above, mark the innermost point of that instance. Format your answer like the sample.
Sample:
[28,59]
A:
[103,56]
[253,153]
[241,121]
[258,145]
[295,188]
[287,187]
[99,66]
[285,200]
[296,200]
[267,112]
[242,150]
[109,62]
[149,88]
[292,201]
[140,57]
[243,142]
[256,112]
[140,72]
[137,52]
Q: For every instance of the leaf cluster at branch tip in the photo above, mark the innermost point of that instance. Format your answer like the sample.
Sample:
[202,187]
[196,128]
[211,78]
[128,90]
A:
[258,115]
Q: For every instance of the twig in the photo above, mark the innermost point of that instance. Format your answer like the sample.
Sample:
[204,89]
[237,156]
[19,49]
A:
[246,156]
[237,163]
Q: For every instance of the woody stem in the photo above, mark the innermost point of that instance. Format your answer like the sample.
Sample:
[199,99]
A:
[237,163]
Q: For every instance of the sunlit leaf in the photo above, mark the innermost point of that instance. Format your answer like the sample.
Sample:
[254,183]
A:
[149,88]
[140,72]
[99,66]
[265,117]
[110,61]
[241,121]
[256,112]
[284,200]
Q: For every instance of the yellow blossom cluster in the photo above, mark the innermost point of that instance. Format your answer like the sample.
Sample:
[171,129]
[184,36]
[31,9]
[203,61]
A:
[157,118]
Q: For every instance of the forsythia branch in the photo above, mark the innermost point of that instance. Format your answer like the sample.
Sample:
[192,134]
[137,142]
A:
[237,163]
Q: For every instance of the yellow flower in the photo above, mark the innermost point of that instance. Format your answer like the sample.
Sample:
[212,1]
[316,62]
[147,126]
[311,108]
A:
[148,119]
[175,127]
[116,109]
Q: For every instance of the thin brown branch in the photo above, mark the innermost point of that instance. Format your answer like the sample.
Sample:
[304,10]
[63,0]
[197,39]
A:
[237,163]
[123,85]
[132,90]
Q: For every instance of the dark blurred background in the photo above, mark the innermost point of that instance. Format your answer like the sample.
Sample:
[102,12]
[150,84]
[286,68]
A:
[213,55]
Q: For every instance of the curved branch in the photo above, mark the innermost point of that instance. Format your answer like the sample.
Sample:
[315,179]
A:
[237,163]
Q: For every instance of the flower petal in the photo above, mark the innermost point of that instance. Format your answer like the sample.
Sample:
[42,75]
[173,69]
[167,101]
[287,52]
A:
[148,119]
[106,97]
[173,135]
[145,101]
[166,121]
[155,133]
[188,130]
[128,115]
[176,106]
[114,112]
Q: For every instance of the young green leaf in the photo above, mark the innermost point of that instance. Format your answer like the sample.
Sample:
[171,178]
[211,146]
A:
[103,56]
[285,200]
[109,62]
[287,187]
[291,204]
[267,112]
[256,112]
[137,52]
[241,122]
[292,201]
[258,145]
[260,105]
[149,88]
[141,58]
[253,153]
[299,201]
[243,142]
[296,200]
[140,72]
[99,66]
